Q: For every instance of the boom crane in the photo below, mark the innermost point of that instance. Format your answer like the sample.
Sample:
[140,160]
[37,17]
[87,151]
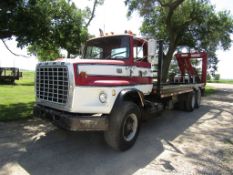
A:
[184,63]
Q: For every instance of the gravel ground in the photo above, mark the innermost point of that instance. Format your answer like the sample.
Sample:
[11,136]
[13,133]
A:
[176,142]
[206,147]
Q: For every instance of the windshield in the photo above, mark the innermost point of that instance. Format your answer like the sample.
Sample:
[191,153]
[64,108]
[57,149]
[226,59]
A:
[116,47]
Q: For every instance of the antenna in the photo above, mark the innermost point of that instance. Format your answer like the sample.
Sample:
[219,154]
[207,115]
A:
[101,32]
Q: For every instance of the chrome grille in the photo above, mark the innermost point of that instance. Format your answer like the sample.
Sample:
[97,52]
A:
[52,83]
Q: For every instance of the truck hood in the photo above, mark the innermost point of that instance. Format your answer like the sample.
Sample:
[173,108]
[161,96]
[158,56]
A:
[94,61]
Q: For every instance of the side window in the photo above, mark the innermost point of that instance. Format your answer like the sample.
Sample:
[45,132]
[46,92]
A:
[138,52]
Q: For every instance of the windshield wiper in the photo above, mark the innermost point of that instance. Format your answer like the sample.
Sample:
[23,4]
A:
[112,56]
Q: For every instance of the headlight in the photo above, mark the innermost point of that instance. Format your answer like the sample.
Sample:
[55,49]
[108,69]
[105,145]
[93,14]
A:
[103,97]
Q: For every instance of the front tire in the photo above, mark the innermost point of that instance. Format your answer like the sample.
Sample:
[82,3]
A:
[124,125]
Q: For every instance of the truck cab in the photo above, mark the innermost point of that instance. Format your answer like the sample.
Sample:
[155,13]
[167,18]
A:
[109,65]
[116,81]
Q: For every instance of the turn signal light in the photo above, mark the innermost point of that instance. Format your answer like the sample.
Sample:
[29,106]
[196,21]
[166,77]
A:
[83,75]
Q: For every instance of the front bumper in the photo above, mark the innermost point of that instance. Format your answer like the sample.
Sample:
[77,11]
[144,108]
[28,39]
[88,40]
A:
[72,121]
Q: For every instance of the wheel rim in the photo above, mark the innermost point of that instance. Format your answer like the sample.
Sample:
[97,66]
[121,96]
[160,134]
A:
[198,98]
[130,127]
[193,101]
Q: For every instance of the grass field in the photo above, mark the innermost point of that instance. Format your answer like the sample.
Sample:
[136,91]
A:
[209,90]
[16,101]
[221,81]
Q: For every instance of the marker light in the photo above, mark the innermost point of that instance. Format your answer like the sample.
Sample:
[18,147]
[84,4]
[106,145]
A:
[113,92]
[83,74]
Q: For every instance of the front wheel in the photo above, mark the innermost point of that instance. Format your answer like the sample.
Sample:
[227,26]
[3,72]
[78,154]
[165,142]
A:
[124,126]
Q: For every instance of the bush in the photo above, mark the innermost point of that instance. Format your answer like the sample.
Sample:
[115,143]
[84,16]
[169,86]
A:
[208,77]
[217,77]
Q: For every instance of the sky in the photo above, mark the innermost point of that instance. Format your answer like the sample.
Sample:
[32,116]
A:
[225,57]
[9,60]
[111,17]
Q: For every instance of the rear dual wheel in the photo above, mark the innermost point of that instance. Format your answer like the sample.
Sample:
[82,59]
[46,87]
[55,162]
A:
[198,98]
[192,100]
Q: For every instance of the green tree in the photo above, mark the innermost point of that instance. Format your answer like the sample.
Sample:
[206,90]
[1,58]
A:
[194,23]
[217,77]
[46,26]
[208,77]
[45,53]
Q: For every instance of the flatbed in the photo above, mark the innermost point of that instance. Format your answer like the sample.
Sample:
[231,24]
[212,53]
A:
[9,74]
[169,90]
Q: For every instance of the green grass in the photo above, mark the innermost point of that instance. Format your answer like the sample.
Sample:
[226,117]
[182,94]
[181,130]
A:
[209,90]
[221,81]
[17,100]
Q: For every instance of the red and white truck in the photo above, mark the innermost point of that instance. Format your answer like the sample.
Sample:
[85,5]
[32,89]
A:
[114,86]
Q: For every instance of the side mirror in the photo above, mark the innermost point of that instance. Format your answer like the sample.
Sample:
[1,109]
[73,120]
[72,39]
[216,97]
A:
[152,51]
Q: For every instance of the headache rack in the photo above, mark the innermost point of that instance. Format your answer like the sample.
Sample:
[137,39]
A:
[52,83]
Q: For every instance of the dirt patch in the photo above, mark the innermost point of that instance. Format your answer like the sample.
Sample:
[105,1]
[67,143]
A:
[206,147]
[176,142]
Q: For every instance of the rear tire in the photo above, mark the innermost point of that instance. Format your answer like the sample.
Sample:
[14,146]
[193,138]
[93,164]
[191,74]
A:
[180,104]
[190,101]
[124,125]
[197,98]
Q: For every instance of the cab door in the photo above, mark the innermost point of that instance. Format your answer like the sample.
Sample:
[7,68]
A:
[141,66]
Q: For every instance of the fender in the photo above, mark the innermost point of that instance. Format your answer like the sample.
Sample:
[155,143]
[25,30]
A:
[131,94]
